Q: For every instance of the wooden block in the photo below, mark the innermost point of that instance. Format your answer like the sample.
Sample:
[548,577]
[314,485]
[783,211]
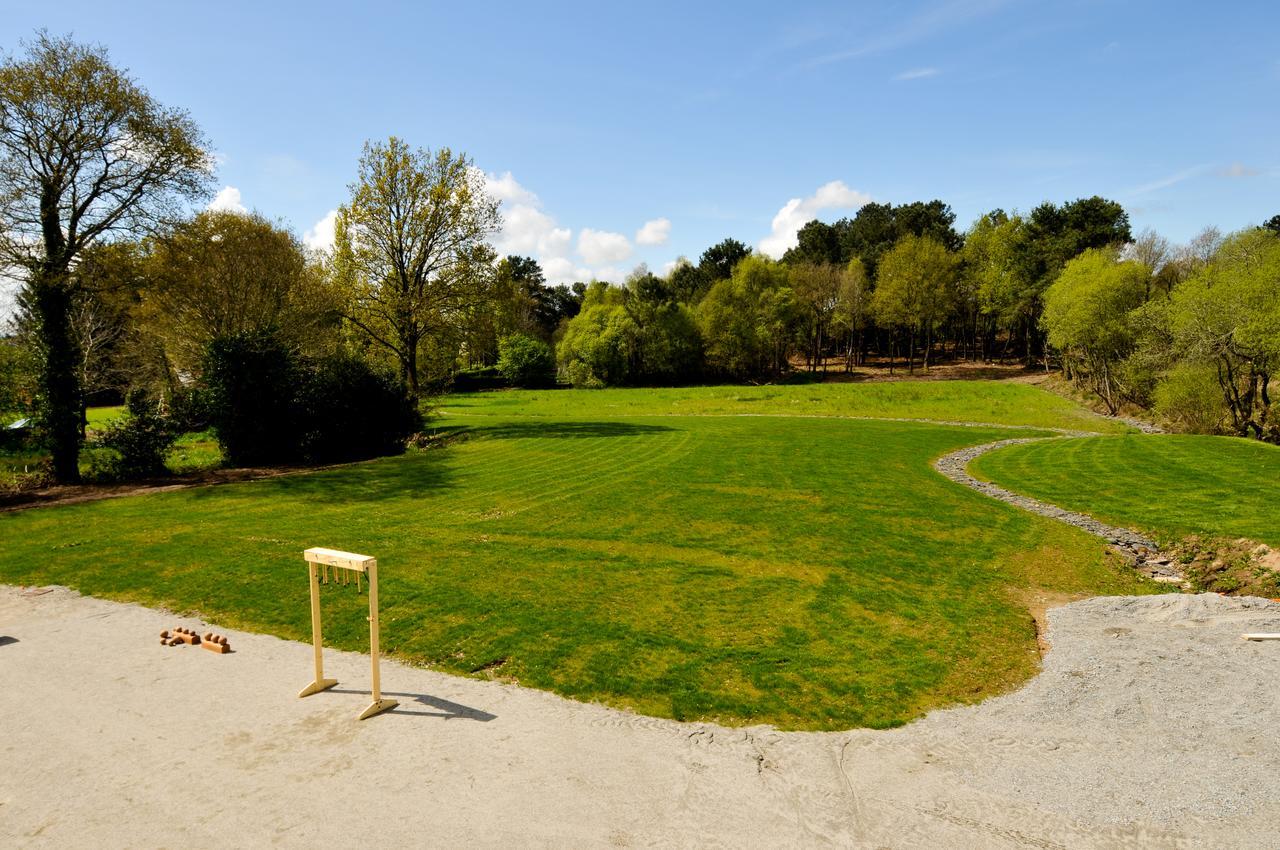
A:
[214,646]
[187,636]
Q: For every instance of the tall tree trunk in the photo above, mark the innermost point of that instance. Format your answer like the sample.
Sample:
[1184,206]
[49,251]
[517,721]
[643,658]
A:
[59,373]
[911,352]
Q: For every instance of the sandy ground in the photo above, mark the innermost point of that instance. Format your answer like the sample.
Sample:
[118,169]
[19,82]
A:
[1152,725]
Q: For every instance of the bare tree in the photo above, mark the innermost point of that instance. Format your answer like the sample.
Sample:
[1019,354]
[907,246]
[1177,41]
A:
[86,155]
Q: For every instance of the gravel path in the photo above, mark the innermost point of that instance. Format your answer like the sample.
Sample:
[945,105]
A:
[1152,725]
[1141,551]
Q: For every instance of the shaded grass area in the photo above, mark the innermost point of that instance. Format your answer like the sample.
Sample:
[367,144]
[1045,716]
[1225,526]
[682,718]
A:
[1165,484]
[1002,403]
[191,453]
[810,573]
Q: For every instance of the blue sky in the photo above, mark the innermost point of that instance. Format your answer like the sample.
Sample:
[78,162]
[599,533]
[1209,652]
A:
[626,133]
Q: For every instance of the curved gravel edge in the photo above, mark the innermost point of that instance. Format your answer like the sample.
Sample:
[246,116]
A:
[1143,553]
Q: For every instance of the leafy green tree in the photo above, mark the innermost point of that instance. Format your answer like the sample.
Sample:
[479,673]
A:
[601,344]
[688,283]
[526,361]
[1227,316]
[995,289]
[1086,315]
[18,378]
[853,311]
[719,261]
[818,289]
[931,219]
[817,244]
[749,320]
[871,232]
[223,274]
[411,248]
[1273,224]
[915,290]
[86,156]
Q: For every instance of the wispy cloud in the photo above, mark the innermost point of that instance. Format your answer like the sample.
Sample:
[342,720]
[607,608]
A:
[925,24]
[1170,180]
[917,74]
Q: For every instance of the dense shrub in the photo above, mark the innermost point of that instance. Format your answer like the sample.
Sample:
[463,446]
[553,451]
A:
[525,361]
[140,440]
[268,407]
[475,379]
[1190,400]
[252,381]
[352,411]
[189,409]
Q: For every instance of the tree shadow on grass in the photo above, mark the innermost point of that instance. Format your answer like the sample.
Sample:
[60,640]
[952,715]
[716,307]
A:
[565,430]
[408,476]
[444,709]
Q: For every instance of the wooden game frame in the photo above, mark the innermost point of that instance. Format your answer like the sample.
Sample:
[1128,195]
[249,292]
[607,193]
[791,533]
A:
[319,562]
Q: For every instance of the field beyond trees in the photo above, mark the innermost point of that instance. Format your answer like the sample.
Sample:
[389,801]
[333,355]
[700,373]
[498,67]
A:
[648,549]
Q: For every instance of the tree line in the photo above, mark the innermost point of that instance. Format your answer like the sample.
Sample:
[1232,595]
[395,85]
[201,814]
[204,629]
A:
[125,292]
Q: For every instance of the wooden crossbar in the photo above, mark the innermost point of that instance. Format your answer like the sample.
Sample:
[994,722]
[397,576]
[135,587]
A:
[334,558]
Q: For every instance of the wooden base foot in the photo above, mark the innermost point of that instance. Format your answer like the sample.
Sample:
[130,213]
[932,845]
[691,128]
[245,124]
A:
[377,708]
[317,687]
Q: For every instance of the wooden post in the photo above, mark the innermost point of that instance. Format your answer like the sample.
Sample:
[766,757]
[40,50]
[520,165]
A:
[379,704]
[320,683]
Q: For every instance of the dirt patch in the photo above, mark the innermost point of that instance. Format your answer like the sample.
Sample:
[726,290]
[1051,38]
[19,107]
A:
[1038,603]
[1240,567]
[877,369]
[70,494]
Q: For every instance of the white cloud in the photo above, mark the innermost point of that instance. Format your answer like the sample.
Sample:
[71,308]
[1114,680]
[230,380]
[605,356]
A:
[528,230]
[612,274]
[599,247]
[227,200]
[654,232]
[798,212]
[557,269]
[320,236]
[917,74]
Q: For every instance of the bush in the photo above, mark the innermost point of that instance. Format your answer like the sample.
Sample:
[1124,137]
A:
[190,409]
[252,381]
[476,379]
[267,407]
[1190,399]
[526,362]
[353,411]
[141,439]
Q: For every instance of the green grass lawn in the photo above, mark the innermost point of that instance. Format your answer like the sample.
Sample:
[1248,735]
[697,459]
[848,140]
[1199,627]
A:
[99,417]
[1168,485]
[1005,403]
[814,573]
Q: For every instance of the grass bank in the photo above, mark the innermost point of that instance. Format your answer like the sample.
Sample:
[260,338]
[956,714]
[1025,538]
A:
[1164,484]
